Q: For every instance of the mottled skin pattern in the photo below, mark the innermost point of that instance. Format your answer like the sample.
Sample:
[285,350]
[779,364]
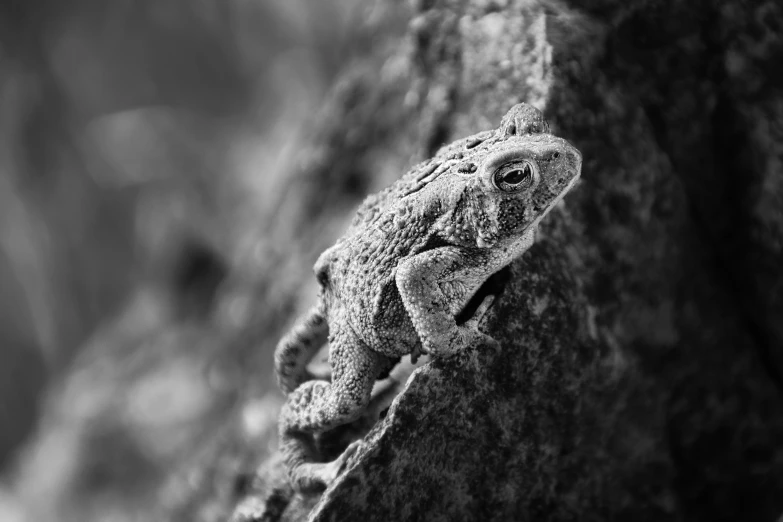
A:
[413,257]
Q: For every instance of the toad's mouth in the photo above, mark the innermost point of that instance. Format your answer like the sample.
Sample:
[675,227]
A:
[552,204]
[493,286]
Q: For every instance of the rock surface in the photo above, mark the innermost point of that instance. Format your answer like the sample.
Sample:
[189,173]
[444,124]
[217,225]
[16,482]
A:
[641,372]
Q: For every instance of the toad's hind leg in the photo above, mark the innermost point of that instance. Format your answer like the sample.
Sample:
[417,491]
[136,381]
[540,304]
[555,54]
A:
[318,406]
[298,347]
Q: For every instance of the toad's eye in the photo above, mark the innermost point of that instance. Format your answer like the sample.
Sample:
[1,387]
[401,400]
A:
[515,176]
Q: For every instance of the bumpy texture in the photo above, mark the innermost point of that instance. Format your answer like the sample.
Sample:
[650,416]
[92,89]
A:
[413,257]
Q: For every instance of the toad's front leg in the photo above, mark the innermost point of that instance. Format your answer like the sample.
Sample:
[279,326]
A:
[434,286]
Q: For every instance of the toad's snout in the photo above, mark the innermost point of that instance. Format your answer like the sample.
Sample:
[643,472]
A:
[575,161]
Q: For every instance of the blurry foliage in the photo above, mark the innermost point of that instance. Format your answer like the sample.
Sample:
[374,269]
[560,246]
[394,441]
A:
[130,140]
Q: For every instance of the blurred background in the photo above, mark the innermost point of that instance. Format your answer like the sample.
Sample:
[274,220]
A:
[146,149]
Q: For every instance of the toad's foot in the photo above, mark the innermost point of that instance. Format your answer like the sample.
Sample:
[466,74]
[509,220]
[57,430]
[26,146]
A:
[470,337]
[475,319]
[318,476]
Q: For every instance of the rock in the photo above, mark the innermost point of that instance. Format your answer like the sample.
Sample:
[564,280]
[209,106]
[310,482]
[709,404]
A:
[641,372]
